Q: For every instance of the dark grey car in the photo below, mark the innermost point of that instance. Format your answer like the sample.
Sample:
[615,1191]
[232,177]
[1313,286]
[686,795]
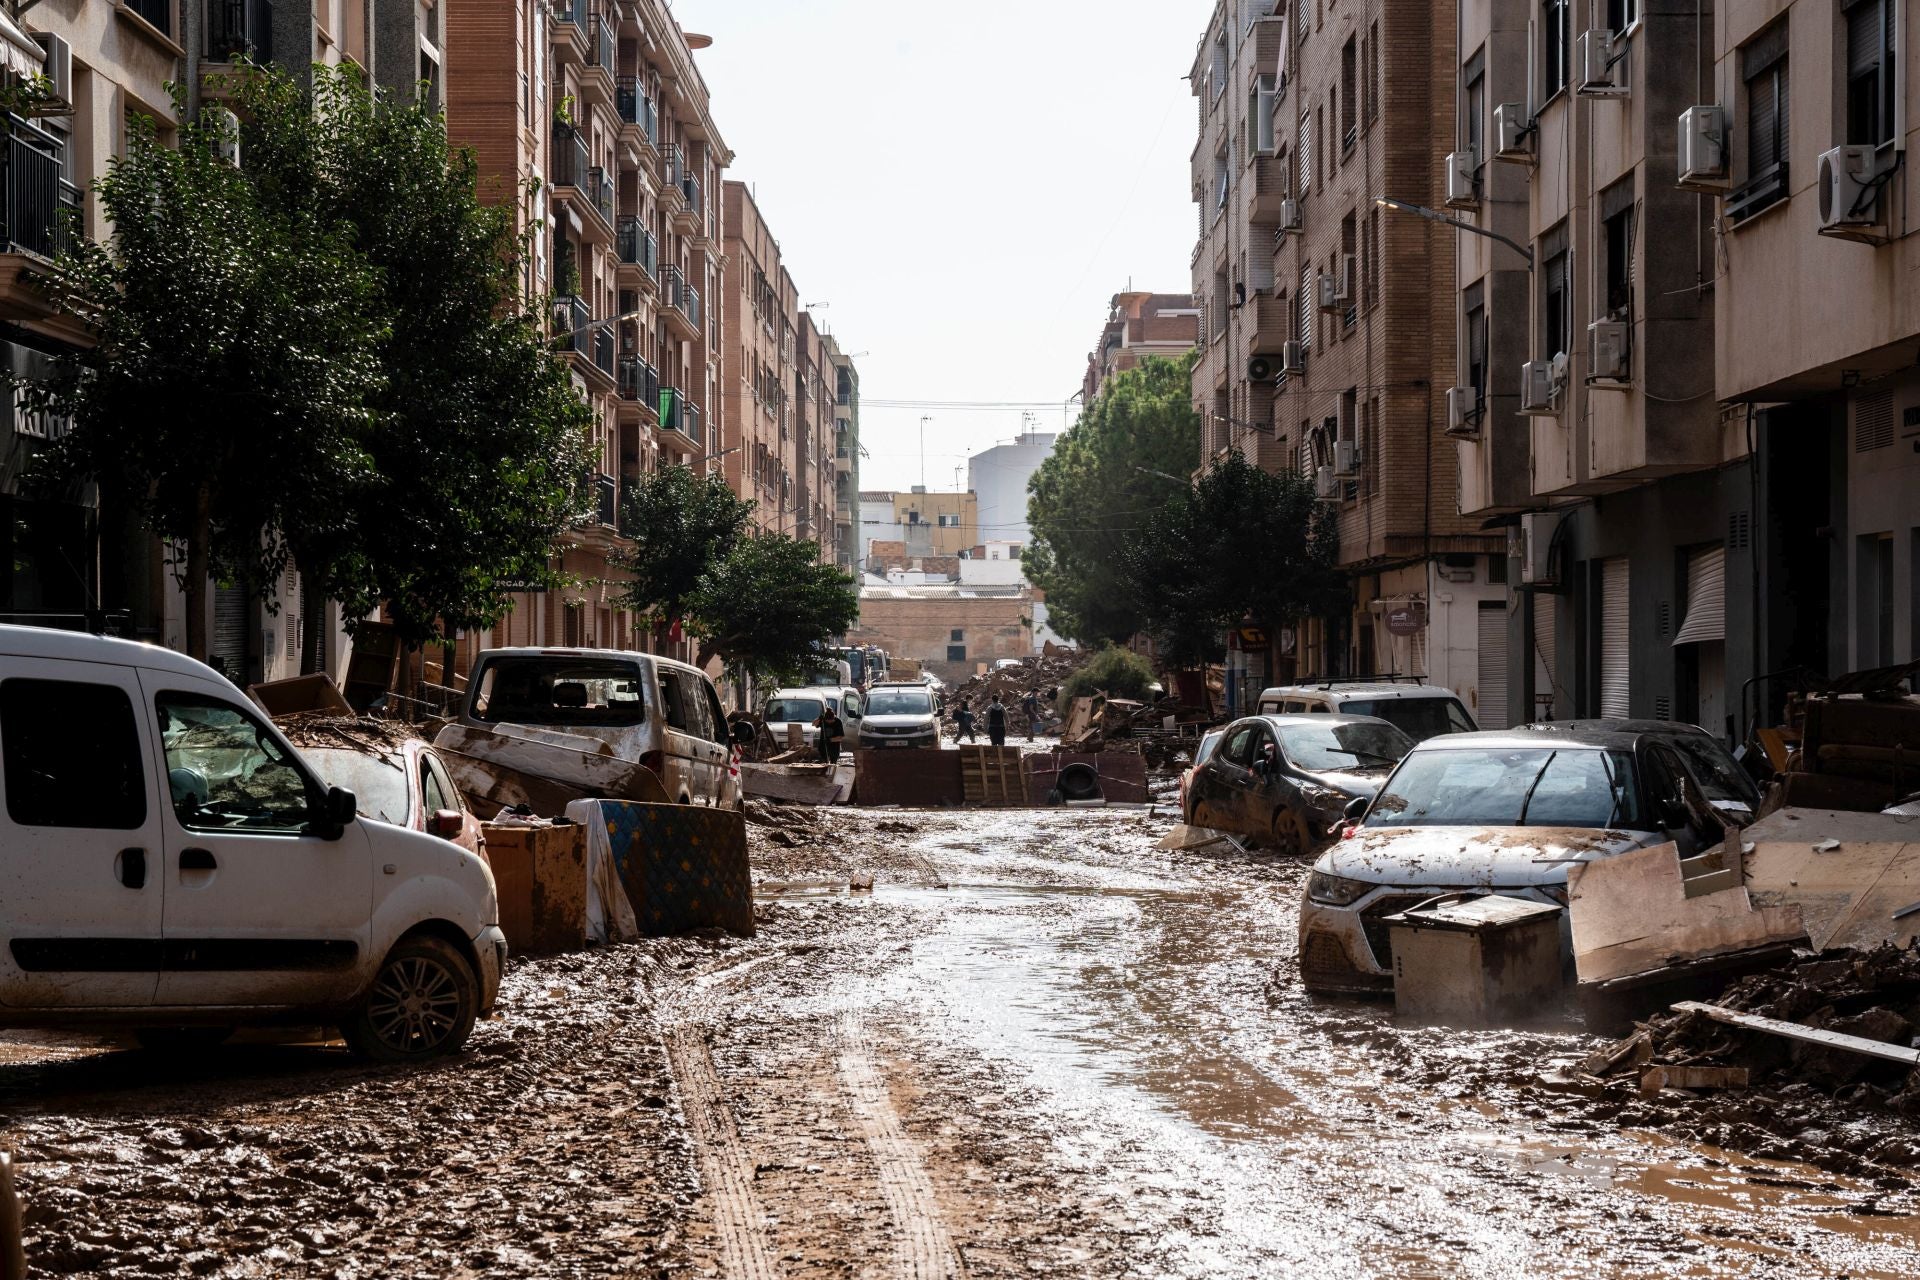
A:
[1286,779]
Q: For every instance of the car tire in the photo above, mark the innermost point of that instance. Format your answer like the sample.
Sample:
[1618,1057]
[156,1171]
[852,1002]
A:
[182,1040]
[422,1003]
[1203,816]
[1285,835]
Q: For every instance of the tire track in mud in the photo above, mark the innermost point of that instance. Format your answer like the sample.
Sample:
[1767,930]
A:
[924,1250]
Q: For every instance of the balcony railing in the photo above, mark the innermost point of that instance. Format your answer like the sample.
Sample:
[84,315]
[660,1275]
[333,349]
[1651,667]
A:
[637,246]
[676,164]
[238,28]
[601,43]
[42,208]
[637,108]
[690,188]
[571,11]
[673,410]
[692,427]
[571,318]
[639,382]
[681,296]
[571,160]
[158,13]
[603,349]
[606,494]
[599,189]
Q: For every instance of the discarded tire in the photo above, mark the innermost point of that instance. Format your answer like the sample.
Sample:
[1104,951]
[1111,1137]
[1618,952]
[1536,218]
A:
[1079,782]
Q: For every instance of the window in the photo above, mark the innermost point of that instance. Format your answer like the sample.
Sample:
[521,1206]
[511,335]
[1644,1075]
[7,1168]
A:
[1261,135]
[1306,151]
[1371,58]
[1870,72]
[1763,68]
[1622,14]
[1222,179]
[956,653]
[71,756]
[225,771]
[1239,748]
[1349,92]
[1556,294]
[956,635]
[1320,143]
[1473,308]
[1553,47]
[949,522]
[1349,252]
[1013,552]
[157,12]
[1217,71]
[1379,251]
[1473,108]
[436,789]
[1616,210]
[1306,305]
[560,691]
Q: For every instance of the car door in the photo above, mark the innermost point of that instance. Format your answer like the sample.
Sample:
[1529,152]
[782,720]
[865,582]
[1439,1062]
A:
[81,894]
[1227,777]
[261,907]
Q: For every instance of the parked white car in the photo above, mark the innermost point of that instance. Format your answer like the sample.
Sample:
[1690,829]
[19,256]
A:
[1420,711]
[664,714]
[169,863]
[802,706]
[899,715]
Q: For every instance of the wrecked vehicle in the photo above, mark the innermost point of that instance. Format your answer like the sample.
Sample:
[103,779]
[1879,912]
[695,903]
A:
[1202,751]
[171,864]
[1286,779]
[1499,812]
[408,788]
[635,707]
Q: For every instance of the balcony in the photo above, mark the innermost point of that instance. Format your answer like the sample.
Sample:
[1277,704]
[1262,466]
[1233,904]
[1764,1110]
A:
[603,350]
[42,208]
[637,109]
[1266,186]
[570,24]
[635,246]
[639,383]
[693,426]
[606,494]
[599,191]
[683,303]
[580,182]
[158,14]
[237,28]
[689,214]
[1266,320]
[673,411]
[572,318]
[602,44]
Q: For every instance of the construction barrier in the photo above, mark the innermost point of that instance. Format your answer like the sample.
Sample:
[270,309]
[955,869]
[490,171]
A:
[1114,776]
[913,777]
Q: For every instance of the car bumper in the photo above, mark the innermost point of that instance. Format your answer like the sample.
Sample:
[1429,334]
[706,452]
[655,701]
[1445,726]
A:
[1348,949]
[887,743]
[490,944]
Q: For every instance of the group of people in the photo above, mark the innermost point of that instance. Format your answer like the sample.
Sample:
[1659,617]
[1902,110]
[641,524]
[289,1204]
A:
[965,721]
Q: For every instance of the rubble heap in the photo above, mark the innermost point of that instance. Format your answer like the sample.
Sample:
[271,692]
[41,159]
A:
[1854,753]
[1873,995]
[370,734]
[1041,674]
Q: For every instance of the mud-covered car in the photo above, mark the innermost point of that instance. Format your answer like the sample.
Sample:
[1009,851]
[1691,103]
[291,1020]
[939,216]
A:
[408,788]
[1202,751]
[1286,779]
[1501,812]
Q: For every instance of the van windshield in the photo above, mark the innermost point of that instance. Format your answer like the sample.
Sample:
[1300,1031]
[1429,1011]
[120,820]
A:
[558,690]
[793,710]
[1418,718]
[899,702]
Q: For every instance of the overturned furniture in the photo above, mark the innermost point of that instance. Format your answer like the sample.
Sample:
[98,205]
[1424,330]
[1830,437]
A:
[816,784]
[1483,960]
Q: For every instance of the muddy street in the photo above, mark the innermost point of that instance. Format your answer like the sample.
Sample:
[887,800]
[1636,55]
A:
[1037,1046]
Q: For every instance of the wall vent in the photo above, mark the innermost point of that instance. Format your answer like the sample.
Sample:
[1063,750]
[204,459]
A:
[1739,530]
[1873,422]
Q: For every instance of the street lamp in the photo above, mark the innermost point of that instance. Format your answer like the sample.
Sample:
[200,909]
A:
[1162,474]
[1434,215]
[597,324]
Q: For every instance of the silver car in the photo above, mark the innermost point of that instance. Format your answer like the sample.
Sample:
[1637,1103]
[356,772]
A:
[1506,812]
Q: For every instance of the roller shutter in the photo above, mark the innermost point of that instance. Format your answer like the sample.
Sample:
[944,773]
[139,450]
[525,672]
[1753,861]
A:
[1492,712]
[1546,668]
[1614,604]
[1706,597]
[230,619]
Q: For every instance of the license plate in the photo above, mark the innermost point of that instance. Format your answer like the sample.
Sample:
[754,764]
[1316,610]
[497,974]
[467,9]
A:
[899,744]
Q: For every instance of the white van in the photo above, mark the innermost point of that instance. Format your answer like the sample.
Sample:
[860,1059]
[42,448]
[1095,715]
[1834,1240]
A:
[1420,711]
[169,863]
[662,713]
[802,705]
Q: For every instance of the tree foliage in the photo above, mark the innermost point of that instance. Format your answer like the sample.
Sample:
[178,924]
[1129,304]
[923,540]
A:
[683,524]
[1096,486]
[1243,545]
[769,605]
[227,396]
[1118,673]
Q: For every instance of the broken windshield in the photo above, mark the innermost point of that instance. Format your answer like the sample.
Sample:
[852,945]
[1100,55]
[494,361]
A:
[559,690]
[1319,748]
[1506,787]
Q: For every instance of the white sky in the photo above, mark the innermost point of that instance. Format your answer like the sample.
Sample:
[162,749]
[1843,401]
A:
[966,185]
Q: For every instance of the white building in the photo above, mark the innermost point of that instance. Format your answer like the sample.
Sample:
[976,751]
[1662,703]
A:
[998,478]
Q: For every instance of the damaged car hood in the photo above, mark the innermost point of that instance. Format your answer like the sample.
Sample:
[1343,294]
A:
[1453,857]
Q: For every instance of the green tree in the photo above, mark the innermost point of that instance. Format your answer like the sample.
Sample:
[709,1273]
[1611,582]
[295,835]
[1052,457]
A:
[683,524]
[478,445]
[1242,545]
[1097,485]
[769,605]
[235,354]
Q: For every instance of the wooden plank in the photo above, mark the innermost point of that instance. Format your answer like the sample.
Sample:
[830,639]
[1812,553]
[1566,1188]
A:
[1804,1034]
[1658,1078]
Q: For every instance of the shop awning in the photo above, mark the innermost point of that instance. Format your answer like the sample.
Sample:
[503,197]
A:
[20,53]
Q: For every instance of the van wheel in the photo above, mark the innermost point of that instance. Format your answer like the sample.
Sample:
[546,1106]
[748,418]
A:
[172,1040]
[422,1003]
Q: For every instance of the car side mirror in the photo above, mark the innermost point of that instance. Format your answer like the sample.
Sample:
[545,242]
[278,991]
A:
[445,823]
[338,809]
[743,733]
[1673,814]
[1357,808]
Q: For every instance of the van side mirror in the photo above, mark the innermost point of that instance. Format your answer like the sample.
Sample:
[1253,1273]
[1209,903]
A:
[1357,808]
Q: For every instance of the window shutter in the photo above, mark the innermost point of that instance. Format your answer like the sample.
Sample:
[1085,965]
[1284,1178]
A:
[1865,27]
[1706,597]
[1492,709]
[1615,602]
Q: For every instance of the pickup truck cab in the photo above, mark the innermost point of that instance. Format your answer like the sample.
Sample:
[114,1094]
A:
[169,863]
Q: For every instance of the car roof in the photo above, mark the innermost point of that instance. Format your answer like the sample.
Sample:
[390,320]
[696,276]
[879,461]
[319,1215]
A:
[1585,739]
[76,646]
[1367,688]
[897,684]
[1668,728]
[618,655]
[1282,721]
[807,691]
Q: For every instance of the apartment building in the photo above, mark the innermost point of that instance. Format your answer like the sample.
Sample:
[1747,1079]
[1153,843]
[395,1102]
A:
[1327,329]
[998,477]
[846,455]
[1139,326]
[593,118]
[762,332]
[1811,110]
[1588,414]
[813,467]
[923,523]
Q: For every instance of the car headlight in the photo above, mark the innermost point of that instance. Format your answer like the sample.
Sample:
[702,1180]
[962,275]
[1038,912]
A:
[1336,891]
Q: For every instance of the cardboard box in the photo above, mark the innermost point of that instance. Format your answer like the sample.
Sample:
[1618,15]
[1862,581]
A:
[541,876]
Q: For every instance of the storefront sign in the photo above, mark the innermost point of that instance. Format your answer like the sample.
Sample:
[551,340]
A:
[1407,619]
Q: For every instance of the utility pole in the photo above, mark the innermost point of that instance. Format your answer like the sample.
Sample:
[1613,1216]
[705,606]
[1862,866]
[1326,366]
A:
[923,452]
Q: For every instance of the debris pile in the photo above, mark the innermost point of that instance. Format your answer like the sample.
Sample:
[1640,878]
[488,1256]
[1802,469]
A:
[328,729]
[1042,674]
[1853,753]
[1841,1022]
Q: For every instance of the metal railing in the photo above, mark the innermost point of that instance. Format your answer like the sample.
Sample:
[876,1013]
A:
[157,13]
[680,295]
[237,28]
[692,427]
[573,11]
[606,493]
[600,190]
[571,318]
[571,160]
[601,45]
[603,349]
[636,107]
[636,246]
[639,382]
[690,188]
[42,208]
[673,407]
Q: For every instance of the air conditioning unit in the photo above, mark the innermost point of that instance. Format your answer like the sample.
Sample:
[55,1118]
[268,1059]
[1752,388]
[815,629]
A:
[1262,369]
[1536,547]
[1849,194]
[1463,422]
[1293,358]
[1703,148]
[59,71]
[1607,356]
[1289,215]
[1511,126]
[1463,185]
[1538,393]
[1325,483]
[1330,299]
[1599,68]
[1346,458]
[226,131]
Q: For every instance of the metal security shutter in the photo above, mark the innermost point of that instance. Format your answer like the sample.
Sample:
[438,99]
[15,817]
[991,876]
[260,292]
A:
[1614,603]
[1492,712]
[1546,669]
[1706,597]
[230,630]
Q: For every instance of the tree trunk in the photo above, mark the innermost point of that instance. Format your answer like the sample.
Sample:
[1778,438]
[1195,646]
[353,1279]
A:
[199,567]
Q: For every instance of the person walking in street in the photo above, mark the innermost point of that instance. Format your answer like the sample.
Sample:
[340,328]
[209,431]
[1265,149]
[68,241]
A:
[831,734]
[963,722]
[997,722]
[1031,705]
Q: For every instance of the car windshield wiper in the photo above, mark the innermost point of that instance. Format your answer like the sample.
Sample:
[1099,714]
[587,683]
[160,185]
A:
[1534,786]
[1356,753]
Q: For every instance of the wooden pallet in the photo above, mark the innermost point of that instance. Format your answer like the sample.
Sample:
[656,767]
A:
[992,776]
